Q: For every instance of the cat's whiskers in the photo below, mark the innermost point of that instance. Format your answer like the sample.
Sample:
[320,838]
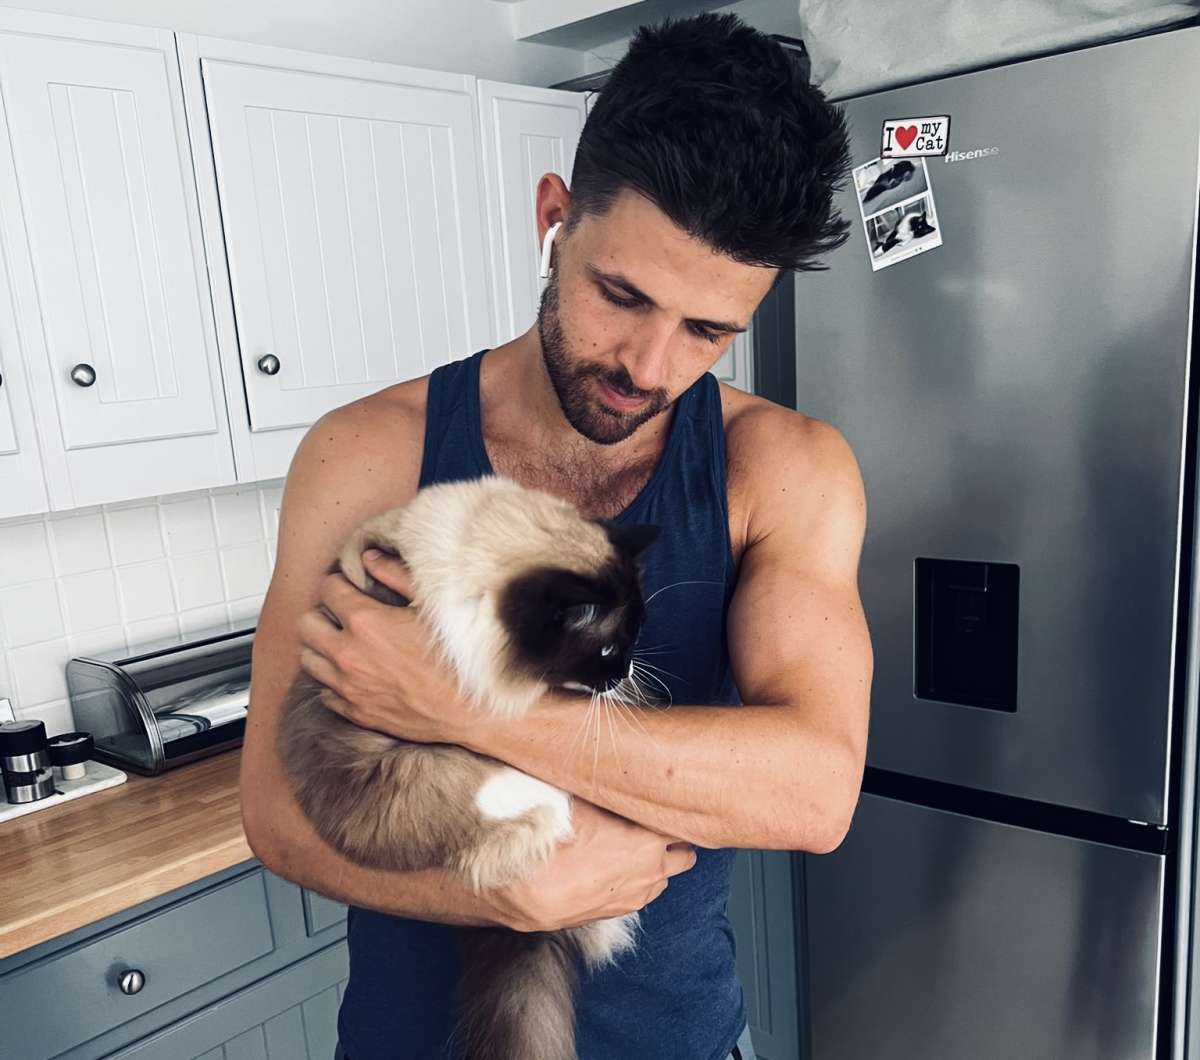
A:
[628,714]
[596,742]
[660,669]
[653,649]
[609,700]
[675,585]
[651,677]
[580,736]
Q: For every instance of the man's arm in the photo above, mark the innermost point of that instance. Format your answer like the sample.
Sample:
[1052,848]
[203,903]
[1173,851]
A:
[609,868]
[784,770]
[317,513]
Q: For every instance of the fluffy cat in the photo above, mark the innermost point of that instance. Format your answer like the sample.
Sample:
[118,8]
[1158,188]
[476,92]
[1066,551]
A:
[522,593]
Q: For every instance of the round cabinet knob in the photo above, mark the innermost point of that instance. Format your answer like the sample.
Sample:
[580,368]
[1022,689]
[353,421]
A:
[83,374]
[268,364]
[132,981]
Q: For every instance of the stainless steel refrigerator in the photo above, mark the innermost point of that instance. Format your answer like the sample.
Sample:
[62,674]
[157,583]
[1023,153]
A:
[1017,881]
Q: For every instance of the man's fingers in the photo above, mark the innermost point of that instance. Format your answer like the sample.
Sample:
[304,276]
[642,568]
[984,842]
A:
[680,859]
[317,631]
[319,668]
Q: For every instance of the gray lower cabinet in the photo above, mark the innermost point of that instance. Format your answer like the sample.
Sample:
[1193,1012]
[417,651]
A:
[244,965]
[291,1015]
[762,912]
[234,965]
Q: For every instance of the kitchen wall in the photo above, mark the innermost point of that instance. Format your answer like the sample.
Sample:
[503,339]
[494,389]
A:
[462,36]
[766,16]
[99,578]
[116,575]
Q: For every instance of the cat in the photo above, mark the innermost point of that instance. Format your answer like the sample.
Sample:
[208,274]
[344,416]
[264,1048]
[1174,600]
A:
[911,226]
[522,594]
[890,178]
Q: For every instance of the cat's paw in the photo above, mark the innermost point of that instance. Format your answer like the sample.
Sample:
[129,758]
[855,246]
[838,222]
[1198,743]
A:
[522,820]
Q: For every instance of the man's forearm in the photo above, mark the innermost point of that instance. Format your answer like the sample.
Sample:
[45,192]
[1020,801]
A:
[741,776]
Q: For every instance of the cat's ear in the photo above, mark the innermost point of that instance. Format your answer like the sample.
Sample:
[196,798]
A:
[633,539]
[639,537]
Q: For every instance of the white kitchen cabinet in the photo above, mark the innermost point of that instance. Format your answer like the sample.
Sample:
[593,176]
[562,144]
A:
[345,196]
[102,237]
[23,489]
[526,132]
[736,365]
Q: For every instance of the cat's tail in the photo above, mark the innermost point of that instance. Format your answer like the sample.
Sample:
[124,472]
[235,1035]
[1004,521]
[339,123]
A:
[515,996]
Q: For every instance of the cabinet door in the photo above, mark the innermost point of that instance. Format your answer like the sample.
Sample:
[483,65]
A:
[762,912]
[351,212]
[100,214]
[24,488]
[291,1015]
[736,364]
[526,132]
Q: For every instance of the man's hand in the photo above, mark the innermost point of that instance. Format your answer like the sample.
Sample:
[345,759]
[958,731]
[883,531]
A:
[611,867]
[381,665]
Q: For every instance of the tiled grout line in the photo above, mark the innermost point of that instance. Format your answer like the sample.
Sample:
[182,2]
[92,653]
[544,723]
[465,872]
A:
[166,550]
[112,562]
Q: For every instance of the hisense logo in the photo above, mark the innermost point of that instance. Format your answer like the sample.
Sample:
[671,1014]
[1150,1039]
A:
[964,156]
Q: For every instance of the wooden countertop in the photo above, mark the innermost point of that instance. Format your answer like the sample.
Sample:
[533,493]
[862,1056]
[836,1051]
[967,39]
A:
[70,865]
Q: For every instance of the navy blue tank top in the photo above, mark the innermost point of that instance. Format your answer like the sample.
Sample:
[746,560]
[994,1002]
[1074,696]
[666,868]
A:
[677,996]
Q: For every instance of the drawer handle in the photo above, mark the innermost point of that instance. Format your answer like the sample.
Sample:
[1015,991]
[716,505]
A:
[83,374]
[132,981]
[268,364]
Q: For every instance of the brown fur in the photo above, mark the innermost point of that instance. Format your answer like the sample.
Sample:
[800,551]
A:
[390,804]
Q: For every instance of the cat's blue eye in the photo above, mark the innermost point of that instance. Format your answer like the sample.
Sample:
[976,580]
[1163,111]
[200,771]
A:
[608,649]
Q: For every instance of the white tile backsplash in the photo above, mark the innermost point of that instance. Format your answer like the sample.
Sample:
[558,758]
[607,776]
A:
[31,612]
[146,590]
[239,518]
[25,555]
[189,525]
[91,600]
[135,533]
[246,571]
[197,580]
[103,578]
[80,543]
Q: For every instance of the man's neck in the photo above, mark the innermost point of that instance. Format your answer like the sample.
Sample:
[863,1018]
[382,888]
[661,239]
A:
[520,409]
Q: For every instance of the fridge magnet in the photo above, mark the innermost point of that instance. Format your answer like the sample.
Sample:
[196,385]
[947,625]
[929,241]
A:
[896,203]
[916,137]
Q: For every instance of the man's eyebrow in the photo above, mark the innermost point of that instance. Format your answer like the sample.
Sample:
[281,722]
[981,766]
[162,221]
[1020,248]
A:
[619,281]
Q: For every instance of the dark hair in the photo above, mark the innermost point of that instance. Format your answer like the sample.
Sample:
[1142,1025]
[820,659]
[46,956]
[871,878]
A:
[717,125]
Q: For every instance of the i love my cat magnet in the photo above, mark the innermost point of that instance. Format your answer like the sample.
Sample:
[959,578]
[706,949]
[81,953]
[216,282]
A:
[916,137]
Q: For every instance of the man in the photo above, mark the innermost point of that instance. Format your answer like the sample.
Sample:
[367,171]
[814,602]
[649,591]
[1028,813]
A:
[705,173]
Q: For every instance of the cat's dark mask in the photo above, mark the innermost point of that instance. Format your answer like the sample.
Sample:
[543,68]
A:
[569,627]
[632,540]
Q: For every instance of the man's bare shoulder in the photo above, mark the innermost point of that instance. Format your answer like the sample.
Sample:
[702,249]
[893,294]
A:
[370,449]
[783,464]
[355,461]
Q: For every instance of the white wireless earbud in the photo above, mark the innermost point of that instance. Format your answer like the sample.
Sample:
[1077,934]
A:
[545,269]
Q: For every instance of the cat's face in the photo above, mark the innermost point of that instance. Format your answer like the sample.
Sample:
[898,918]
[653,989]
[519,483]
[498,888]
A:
[573,629]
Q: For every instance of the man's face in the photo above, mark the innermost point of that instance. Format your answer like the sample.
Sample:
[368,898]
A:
[653,352]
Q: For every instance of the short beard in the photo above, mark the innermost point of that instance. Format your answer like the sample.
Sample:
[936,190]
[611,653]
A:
[573,385]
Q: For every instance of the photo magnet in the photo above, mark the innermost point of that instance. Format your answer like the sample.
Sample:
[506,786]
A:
[898,213]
